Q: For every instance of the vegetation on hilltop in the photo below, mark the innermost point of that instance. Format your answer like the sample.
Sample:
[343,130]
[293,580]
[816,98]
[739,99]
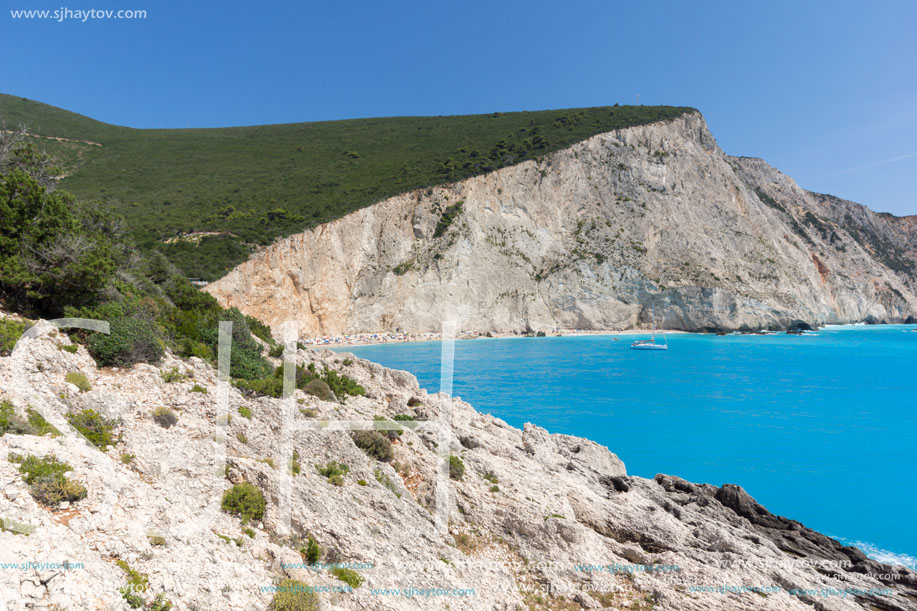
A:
[246,186]
[60,256]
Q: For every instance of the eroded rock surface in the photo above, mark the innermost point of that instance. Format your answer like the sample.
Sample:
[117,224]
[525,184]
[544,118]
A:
[538,521]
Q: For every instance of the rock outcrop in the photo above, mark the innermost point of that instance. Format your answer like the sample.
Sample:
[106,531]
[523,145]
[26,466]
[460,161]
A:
[537,521]
[588,238]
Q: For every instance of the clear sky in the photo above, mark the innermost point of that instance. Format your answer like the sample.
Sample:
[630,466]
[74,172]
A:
[826,92]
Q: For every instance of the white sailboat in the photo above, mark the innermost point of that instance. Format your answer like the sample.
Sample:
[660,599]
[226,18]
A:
[650,344]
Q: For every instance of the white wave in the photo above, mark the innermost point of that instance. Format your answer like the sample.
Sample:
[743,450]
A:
[882,555]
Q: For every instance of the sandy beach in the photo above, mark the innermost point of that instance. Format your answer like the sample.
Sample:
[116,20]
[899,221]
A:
[362,339]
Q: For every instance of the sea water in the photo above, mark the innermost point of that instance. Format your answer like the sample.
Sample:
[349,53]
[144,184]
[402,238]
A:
[818,428]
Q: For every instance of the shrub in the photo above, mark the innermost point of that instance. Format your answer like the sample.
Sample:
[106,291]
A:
[391,434]
[38,425]
[164,417]
[319,388]
[334,471]
[10,332]
[79,380]
[293,595]
[449,215]
[10,422]
[295,465]
[495,488]
[276,351]
[46,480]
[156,540]
[130,341]
[127,458]
[245,412]
[242,437]
[270,386]
[312,552]
[386,481]
[71,348]
[491,477]
[160,603]
[348,576]
[308,412]
[199,388]
[414,402]
[173,375]
[456,467]
[411,421]
[136,582]
[94,427]
[374,443]
[249,532]
[342,385]
[244,500]
[362,482]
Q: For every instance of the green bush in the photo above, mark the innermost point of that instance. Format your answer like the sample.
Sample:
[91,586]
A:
[199,388]
[94,427]
[270,386]
[334,471]
[374,443]
[312,552]
[448,217]
[348,576]
[38,425]
[46,480]
[160,603]
[245,412]
[79,380]
[342,385]
[10,332]
[292,595]
[164,417]
[53,250]
[136,582]
[129,341]
[456,467]
[173,375]
[71,348]
[244,500]
[10,422]
[319,388]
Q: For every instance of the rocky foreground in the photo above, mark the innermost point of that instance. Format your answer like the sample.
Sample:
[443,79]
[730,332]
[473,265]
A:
[537,521]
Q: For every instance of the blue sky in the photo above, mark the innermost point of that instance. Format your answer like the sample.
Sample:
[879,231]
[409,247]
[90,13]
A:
[826,92]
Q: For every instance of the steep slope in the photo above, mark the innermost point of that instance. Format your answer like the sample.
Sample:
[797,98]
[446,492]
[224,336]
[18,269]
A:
[537,521]
[205,197]
[587,238]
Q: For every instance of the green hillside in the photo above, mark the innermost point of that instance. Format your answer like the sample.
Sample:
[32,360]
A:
[250,185]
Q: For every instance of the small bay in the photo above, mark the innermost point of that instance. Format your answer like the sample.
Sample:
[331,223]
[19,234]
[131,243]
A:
[819,428]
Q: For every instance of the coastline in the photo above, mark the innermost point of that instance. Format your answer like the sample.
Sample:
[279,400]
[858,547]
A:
[368,339]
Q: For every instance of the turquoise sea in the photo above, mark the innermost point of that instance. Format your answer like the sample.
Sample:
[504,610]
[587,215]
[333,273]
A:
[821,429]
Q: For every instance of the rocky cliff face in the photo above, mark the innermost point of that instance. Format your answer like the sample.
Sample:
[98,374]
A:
[587,238]
[537,521]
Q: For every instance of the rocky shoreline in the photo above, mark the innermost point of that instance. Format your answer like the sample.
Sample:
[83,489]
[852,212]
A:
[535,520]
